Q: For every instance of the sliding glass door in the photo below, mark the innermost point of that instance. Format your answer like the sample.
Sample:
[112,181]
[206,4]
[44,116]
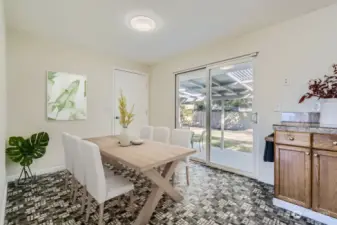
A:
[216,104]
[231,127]
[191,108]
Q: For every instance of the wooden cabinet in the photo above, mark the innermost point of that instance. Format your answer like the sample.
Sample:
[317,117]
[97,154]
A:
[306,170]
[293,138]
[324,186]
[293,174]
[325,141]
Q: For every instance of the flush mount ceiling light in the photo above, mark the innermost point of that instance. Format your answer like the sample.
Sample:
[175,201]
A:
[142,23]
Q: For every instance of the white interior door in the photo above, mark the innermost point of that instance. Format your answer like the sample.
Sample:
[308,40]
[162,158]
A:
[135,89]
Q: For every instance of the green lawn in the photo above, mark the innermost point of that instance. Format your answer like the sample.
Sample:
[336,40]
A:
[234,140]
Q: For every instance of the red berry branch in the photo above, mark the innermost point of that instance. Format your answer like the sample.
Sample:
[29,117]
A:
[326,88]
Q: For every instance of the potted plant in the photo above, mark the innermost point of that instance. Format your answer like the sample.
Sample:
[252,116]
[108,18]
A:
[327,91]
[126,118]
[24,151]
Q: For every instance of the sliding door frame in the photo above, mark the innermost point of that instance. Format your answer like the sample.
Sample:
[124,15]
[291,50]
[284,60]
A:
[235,60]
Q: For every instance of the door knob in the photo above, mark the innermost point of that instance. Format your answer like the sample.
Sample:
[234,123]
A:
[117,117]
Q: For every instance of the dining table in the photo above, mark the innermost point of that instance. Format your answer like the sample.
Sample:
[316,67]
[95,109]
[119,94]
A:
[146,159]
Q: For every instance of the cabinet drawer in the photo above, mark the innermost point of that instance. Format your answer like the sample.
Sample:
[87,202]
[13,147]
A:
[325,141]
[292,138]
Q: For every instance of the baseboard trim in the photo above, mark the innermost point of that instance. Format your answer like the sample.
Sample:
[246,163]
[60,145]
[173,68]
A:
[305,212]
[228,169]
[266,181]
[3,206]
[38,172]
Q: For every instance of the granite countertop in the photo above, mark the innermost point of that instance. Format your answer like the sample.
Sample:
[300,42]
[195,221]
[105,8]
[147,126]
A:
[305,127]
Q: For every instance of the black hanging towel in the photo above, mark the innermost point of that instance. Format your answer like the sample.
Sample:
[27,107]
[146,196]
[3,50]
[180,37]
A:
[269,149]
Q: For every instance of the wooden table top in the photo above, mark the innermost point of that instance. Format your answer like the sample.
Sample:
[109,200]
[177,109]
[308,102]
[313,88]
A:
[141,157]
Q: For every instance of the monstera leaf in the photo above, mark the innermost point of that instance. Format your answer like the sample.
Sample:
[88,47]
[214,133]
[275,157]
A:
[23,151]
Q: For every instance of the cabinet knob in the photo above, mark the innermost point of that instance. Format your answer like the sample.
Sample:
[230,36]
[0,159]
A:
[291,138]
[307,153]
[334,143]
[316,155]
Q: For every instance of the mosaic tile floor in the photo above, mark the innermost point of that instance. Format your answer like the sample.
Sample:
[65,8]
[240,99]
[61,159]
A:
[214,197]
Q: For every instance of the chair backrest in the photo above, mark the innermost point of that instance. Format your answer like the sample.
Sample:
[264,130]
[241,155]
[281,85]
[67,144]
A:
[146,133]
[78,162]
[181,137]
[161,134]
[94,172]
[68,153]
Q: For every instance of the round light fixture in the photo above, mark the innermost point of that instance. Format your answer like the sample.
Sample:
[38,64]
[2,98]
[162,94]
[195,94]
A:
[142,23]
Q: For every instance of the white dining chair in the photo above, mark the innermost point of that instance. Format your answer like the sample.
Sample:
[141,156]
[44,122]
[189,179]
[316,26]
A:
[99,186]
[68,158]
[161,134]
[78,168]
[182,137]
[146,133]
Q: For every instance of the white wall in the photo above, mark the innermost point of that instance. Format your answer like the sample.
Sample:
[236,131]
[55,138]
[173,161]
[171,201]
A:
[2,112]
[28,60]
[299,49]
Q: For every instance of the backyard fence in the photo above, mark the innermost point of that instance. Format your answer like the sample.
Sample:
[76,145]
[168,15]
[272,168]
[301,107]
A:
[233,120]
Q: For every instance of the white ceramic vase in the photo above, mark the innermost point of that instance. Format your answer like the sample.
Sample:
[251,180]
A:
[124,138]
[329,113]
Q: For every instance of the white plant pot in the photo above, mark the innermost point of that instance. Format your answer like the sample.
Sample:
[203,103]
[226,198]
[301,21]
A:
[329,113]
[124,138]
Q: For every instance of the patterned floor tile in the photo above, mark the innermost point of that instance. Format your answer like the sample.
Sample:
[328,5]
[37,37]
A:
[214,197]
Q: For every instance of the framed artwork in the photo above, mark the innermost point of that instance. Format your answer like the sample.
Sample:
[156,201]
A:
[66,96]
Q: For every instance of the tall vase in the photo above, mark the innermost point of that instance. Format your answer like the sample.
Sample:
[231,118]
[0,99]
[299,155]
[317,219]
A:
[329,113]
[124,138]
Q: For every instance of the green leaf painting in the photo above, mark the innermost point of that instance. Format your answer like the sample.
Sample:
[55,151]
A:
[66,97]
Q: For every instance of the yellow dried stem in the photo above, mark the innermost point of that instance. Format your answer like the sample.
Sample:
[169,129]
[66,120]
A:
[125,117]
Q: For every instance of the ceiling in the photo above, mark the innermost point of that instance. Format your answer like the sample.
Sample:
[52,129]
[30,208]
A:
[100,25]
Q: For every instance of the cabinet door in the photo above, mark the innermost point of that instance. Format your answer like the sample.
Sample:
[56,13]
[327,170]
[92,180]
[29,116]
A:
[293,175]
[324,187]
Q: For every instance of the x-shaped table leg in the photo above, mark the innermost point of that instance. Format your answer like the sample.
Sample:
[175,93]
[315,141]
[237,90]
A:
[161,185]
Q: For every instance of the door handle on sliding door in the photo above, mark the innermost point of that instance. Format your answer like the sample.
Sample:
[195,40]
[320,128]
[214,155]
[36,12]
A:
[254,118]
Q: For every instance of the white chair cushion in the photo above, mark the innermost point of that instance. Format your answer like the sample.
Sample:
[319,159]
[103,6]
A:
[146,133]
[101,184]
[117,185]
[181,137]
[161,134]
[186,160]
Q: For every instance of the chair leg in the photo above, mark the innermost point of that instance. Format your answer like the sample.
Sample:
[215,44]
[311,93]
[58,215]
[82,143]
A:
[173,178]
[187,176]
[101,212]
[83,199]
[76,187]
[119,200]
[132,199]
[73,182]
[88,208]
[66,180]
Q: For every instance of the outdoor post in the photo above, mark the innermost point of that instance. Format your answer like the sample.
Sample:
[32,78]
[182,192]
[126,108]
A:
[222,124]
